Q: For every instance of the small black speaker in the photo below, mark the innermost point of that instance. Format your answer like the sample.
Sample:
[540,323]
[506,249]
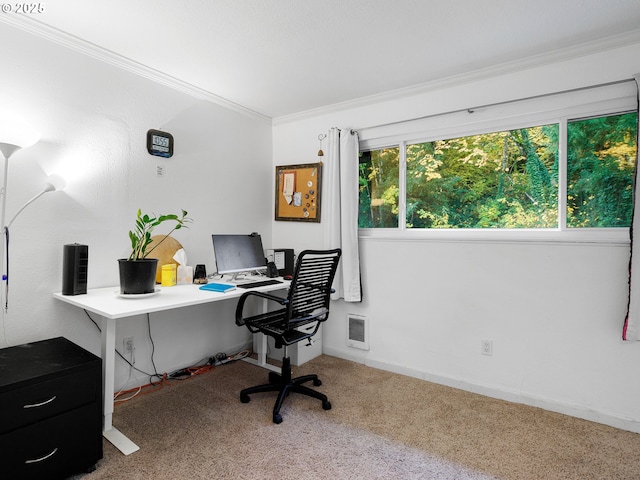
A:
[283,258]
[272,270]
[75,263]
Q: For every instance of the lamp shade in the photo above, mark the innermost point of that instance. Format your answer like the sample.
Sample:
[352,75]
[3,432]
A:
[54,183]
[14,136]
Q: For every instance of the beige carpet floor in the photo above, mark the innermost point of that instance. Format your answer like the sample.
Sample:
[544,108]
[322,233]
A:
[382,426]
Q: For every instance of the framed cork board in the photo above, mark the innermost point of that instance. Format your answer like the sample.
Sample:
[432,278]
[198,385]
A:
[298,189]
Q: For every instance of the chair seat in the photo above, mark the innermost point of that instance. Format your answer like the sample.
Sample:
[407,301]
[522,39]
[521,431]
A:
[285,332]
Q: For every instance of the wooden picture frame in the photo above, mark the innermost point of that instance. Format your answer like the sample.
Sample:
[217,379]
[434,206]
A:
[298,192]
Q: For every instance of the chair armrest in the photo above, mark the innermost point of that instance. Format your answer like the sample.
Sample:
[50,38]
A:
[243,298]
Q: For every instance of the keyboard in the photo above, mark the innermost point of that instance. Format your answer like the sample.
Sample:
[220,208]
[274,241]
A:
[259,283]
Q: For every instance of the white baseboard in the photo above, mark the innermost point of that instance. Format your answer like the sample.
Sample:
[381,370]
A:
[551,405]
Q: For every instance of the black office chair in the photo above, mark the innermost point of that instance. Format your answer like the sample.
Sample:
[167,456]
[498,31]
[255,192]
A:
[307,302]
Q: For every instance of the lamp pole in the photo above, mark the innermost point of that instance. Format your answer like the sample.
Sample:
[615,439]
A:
[13,137]
[7,150]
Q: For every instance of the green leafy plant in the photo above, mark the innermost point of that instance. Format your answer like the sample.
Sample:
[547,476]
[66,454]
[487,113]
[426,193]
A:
[141,236]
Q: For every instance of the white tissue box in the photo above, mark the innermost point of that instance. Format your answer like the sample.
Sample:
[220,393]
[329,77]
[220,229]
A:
[184,275]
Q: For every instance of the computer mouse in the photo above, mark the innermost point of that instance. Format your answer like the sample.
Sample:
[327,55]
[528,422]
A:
[288,277]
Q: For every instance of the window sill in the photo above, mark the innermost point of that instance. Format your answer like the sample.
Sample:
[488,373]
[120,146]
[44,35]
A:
[592,236]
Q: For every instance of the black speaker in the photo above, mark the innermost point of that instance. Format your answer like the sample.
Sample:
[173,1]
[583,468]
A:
[283,258]
[272,270]
[75,263]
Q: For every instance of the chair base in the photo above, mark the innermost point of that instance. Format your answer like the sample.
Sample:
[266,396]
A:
[284,384]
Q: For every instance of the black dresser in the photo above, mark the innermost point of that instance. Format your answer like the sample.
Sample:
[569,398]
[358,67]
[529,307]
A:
[50,410]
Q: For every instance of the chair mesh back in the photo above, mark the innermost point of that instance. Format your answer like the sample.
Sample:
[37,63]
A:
[311,285]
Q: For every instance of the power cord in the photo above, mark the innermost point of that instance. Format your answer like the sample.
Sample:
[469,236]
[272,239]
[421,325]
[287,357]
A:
[120,354]
[153,350]
[223,358]
[218,359]
[137,390]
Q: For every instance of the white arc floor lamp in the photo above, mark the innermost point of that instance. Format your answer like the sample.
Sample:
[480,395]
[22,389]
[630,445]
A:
[14,137]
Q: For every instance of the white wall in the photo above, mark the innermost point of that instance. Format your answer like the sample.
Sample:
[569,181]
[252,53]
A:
[554,312]
[93,118]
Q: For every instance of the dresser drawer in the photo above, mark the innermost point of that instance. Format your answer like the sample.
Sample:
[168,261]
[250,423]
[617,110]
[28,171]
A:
[55,448]
[24,406]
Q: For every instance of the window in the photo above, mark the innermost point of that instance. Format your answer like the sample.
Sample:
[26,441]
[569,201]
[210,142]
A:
[379,187]
[505,179]
[601,157]
[569,174]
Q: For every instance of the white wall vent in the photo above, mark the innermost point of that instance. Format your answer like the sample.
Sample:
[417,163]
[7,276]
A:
[358,331]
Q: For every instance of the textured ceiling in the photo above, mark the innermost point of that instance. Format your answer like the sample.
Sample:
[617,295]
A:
[281,57]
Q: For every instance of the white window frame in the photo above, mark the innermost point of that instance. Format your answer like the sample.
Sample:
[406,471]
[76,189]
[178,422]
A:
[548,109]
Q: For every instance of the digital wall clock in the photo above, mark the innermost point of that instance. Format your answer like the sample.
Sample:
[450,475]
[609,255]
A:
[160,143]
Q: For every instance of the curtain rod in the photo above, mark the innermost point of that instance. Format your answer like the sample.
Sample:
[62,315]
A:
[472,109]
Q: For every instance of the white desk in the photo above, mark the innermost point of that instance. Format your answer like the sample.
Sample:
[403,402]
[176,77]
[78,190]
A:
[107,303]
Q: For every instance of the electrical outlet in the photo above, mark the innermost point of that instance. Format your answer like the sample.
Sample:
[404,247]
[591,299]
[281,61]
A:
[128,344]
[486,347]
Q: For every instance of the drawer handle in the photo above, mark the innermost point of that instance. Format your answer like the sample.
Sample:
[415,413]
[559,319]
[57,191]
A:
[42,459]
[35,405]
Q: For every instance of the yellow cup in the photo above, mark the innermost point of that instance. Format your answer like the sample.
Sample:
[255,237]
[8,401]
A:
[168,275]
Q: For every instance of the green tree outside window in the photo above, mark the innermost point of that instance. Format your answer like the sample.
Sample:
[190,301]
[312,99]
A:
[507,179]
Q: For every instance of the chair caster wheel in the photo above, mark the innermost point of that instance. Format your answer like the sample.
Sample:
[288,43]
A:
[244,398]
[277,418]
[326,405]
[317,382]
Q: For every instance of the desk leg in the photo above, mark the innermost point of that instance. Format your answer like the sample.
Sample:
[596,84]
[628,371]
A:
[260,344]
[121,442]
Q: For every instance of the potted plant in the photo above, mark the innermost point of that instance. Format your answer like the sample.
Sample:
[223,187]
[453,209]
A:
[137,272]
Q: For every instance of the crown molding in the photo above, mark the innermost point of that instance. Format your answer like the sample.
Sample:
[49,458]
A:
[54,35]
[89,49]
[555,56]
